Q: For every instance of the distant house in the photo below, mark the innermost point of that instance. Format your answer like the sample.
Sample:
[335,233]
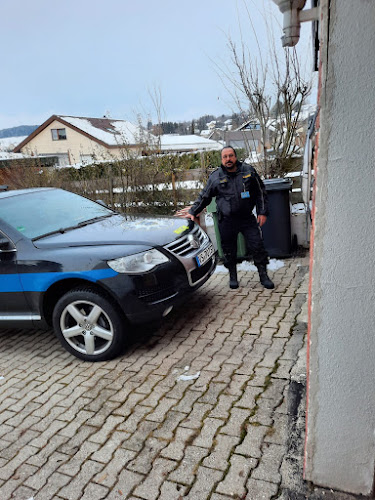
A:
[211,125]
[248,136]
[82,140]
[206,133]
[228,125]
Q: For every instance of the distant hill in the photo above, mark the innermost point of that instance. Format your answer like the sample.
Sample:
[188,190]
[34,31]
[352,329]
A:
[22,130]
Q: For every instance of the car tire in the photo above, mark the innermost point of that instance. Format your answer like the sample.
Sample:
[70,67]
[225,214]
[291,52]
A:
[88,325]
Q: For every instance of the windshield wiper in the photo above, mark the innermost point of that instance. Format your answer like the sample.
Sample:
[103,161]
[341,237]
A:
[56,231]
[63,230]
[95,219]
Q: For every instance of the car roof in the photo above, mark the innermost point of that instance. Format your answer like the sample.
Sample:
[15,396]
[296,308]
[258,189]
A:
[17,192]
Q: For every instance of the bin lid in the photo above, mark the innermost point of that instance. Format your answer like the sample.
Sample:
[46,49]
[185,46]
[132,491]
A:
[277,184]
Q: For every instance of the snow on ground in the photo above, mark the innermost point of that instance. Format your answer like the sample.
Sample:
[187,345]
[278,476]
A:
[274,265]
[156,187]
[300,208]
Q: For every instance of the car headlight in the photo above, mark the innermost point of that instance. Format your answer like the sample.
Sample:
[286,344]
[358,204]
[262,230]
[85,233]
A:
[139,262]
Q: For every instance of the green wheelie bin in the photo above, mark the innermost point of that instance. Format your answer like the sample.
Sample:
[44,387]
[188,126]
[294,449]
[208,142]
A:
[242,253]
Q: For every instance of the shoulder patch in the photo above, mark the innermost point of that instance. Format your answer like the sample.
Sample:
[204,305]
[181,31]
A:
[246,176]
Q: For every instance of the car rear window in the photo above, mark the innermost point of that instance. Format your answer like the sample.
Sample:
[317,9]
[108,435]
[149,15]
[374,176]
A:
[36,213]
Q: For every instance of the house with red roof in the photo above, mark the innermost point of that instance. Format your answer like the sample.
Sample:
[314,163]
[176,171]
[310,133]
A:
[82,140]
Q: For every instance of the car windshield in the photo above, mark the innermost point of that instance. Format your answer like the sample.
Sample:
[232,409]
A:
[41,212]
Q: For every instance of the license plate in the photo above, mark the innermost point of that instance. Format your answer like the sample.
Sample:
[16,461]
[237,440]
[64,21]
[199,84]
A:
[204,256]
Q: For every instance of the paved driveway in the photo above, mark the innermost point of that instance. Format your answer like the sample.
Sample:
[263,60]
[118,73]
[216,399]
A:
[198,409]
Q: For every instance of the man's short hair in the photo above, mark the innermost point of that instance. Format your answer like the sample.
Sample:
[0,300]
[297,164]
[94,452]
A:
[229,147]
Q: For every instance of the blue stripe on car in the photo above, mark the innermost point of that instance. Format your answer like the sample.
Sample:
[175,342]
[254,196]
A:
[39,282]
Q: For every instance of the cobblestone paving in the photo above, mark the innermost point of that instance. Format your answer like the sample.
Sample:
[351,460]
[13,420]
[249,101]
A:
[134,428]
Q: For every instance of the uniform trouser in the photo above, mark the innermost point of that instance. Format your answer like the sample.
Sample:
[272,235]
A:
[229,227]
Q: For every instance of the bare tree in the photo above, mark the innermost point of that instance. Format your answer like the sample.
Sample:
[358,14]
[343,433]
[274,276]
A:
[255,82]
[157,102]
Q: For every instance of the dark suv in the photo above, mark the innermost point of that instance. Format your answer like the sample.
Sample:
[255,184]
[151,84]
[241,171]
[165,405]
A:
[73,263]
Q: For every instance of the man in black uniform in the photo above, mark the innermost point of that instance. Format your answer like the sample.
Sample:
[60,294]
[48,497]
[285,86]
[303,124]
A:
[238,189]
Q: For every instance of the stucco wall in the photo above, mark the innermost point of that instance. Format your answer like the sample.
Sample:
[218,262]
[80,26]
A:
[340,447]
[75,145]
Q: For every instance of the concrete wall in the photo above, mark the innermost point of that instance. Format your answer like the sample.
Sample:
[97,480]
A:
[340,446]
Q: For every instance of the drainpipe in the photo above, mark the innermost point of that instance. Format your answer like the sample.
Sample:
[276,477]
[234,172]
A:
[293,16]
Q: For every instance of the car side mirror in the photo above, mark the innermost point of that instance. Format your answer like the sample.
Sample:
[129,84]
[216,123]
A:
[6,245]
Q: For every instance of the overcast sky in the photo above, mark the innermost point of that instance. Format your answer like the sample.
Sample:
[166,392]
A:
[95,57]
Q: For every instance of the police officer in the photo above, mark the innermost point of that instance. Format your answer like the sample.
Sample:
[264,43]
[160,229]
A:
[238,189]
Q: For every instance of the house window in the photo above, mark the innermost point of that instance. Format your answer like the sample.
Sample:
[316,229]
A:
[58,134]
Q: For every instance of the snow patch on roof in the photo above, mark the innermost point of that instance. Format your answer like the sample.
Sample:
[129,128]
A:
[9,143]
[172,142]
[118,132]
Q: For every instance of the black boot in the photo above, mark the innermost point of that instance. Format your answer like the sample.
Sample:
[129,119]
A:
[264,278]
[233,283]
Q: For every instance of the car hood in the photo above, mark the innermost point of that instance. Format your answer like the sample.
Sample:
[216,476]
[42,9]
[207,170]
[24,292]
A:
[120,230]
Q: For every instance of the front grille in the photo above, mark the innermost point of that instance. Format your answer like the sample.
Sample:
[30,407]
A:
[182,246]
[185,252]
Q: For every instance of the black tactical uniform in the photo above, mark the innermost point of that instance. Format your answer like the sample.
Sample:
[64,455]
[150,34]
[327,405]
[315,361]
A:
[237,193]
